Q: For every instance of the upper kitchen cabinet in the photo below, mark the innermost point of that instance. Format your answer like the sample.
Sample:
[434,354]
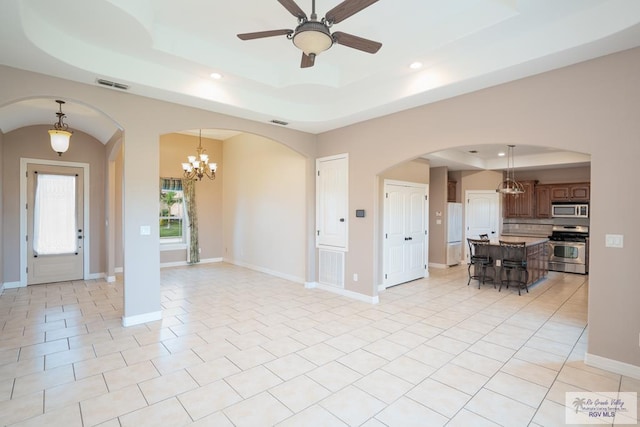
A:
[575,192]
[543,201]
[451,191]
[521,205]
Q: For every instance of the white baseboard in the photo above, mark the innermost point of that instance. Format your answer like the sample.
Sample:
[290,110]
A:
[349,294]
[12,285]
[310,285]
[436,265]
[185,263]
[118,270]
[93,276]
[284,276]
[110,279]
[141,318]
[616,366]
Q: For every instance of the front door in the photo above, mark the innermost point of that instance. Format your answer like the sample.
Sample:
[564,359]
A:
[55,223]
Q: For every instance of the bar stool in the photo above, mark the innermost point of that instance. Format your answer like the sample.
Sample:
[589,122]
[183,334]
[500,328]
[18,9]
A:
[479,259]
[513,257]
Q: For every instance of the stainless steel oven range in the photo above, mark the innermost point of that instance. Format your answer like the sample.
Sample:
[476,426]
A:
[569,246]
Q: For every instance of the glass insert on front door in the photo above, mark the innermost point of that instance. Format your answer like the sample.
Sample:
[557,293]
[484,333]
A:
[54,210]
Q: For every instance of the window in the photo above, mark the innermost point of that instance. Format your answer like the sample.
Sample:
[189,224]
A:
[172,218]
[55,215]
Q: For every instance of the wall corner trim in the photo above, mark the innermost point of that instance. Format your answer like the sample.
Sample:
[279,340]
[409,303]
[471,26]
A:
[141,318]
[612,365]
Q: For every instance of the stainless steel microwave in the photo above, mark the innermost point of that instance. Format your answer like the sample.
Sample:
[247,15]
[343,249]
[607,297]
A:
[570,210]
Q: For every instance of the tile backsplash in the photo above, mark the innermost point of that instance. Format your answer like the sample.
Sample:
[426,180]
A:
[537,227]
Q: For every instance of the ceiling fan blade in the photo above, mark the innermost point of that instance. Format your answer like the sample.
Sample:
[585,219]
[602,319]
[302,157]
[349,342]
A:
[346,9]
[293,8]
[356,42]
[307,60]
[262,34]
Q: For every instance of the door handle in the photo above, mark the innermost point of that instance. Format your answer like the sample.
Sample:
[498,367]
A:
[408,238]
[341,219]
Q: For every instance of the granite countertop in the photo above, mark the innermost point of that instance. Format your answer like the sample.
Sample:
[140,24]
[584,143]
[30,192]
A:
[530,241]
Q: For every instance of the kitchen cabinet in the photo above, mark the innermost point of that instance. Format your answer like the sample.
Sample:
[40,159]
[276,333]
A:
[575,192]
[543,201]
[451,191]
[520,205]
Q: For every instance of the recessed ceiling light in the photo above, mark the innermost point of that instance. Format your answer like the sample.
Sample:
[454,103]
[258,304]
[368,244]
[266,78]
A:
[416,65]
[501,154]
[215,76]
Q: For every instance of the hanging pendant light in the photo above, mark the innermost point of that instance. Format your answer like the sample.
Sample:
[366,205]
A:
[198,166]
[60,134]
[510,185]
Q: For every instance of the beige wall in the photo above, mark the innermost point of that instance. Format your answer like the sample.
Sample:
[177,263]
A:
[174,149]
[33,142]
[438,212]
[265,206]
[561,175]
[119,211]
[590,107]
[1,209]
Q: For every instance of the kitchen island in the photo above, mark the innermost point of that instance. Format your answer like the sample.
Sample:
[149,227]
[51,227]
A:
[537,255]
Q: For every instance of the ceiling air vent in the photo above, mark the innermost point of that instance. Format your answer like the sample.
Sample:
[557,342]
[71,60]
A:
[279,122]
[109,83]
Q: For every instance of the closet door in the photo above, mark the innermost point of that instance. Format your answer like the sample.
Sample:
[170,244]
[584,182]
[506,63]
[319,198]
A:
[332,202]
[405,251]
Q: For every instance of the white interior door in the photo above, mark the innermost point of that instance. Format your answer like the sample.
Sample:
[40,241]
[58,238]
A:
[332,200]
[481,215]
[55,223]
[405,231]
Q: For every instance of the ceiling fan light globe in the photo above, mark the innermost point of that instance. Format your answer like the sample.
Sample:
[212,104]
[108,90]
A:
[312,38]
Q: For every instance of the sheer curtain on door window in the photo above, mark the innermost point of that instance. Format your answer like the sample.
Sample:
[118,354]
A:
[54,210]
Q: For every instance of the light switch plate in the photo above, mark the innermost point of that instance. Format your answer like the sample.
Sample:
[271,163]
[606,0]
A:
[614,241]
[145,230]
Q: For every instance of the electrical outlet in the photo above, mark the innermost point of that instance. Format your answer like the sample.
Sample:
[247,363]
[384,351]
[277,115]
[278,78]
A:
[614,241]
[355,277]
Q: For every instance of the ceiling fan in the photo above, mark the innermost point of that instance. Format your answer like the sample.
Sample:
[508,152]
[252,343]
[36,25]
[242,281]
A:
[313,36]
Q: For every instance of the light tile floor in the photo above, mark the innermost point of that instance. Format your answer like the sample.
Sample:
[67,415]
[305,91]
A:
[237,347]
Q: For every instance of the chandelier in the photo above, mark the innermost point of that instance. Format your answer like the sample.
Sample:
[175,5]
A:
[60,134]
[198,166]
[510,185]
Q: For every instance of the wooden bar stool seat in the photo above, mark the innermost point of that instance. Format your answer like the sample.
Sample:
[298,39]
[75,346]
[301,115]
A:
[479,260]
[513,259]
